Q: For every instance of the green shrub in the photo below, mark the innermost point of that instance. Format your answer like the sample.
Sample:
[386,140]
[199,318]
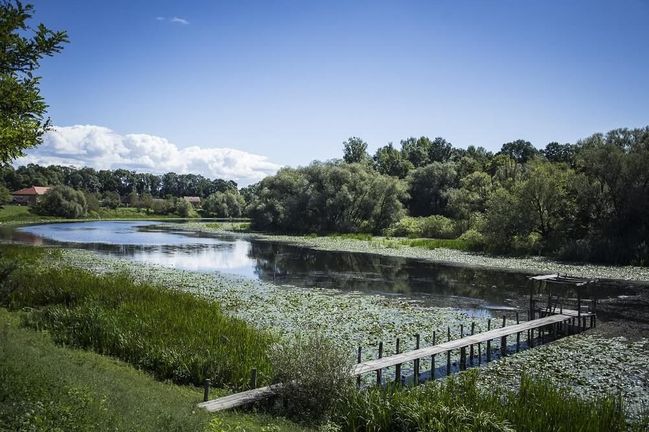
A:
[315,374]
[434,226]
[473,240]
[185,209]
[62,201]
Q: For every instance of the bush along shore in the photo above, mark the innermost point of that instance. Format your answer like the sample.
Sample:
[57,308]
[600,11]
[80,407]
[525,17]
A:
[182,337]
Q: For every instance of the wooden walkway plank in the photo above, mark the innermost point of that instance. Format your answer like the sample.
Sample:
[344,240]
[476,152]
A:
[238,399]
[456,344]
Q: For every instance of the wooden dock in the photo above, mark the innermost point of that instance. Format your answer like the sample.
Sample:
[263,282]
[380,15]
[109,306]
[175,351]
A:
[550,322]
[459,344]
[550,318]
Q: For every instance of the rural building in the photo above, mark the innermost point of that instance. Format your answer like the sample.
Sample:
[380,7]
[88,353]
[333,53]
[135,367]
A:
[29,196]
[193,200]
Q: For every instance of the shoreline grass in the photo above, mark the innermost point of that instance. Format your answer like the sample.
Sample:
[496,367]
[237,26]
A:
[174,335]
[49,387]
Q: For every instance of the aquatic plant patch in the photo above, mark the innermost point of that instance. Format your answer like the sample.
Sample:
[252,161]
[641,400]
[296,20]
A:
[587,365]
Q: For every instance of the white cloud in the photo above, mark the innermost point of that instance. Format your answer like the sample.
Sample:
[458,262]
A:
[179,20]
[102,148]
[175,20]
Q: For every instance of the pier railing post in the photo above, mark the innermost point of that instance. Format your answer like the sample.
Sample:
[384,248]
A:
[397,369]
[358,360]
[503,340]
[432,359]
[488,342]
[379,371]
[518,335]
[471,346]
[417,337]
[448,354]
[206,389]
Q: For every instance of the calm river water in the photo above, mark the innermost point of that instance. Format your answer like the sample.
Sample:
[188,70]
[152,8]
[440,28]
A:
[152,242]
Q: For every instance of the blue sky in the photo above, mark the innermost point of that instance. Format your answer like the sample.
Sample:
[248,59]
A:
[290,80]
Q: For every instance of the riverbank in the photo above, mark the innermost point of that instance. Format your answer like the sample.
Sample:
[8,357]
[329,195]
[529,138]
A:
[399,248]
[49,387]
[589,364]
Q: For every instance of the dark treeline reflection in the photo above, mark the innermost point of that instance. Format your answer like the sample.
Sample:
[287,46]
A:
[293,265]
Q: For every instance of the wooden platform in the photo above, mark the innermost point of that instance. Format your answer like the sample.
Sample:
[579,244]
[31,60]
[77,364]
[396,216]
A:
[457,344]
[238,399]
[246,397]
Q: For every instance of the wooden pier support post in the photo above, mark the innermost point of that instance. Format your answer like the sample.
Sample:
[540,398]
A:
[358,360]
[379,371]
[471,346]
[253,378]
[518,335]
[397,368]
[206,389]
[432,359]
[488,342]
[448,355]
[503,340]
[417,340]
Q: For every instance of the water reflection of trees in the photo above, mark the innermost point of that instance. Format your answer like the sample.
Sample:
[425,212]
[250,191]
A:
[366,272]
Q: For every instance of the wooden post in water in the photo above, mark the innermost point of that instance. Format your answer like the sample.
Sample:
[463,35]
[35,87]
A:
[518,335]
[417,360]
[397,369]
[206,389]
[471,347]
[432,359]
[448,355]
[503,340]
[489,341]
[358,360]
[462,350]
[379,371]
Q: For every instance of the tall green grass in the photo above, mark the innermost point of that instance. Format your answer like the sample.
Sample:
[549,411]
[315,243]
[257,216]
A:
[457,404]
[171,334]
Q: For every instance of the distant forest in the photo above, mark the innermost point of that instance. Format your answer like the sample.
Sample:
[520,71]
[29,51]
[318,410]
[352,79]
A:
[122,181]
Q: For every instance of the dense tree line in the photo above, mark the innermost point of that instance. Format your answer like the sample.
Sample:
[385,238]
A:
[120,181]
[583,201]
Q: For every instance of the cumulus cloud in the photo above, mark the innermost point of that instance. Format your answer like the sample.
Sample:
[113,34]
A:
[102,148]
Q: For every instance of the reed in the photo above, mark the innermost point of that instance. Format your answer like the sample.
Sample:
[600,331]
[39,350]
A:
[171,334]
[459,404]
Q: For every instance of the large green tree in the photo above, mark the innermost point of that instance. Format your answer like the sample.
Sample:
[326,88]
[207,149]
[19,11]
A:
[22,108]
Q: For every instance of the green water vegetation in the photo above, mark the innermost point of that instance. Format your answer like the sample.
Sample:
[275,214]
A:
[173,335]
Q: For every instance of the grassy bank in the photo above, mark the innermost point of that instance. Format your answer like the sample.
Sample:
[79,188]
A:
[173,335]
[15,214]
[49,387]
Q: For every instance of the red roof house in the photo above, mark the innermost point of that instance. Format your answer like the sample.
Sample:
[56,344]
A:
[28,196]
